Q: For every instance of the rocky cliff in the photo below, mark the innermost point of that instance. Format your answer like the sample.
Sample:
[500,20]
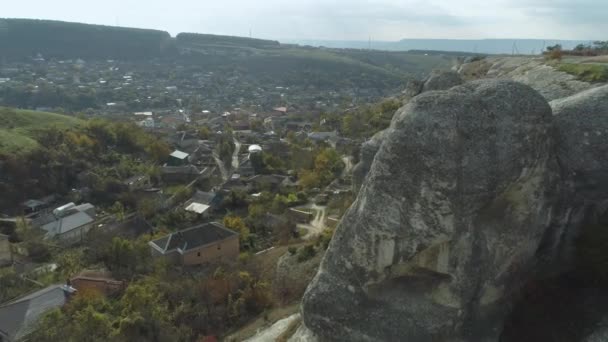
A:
[470,191]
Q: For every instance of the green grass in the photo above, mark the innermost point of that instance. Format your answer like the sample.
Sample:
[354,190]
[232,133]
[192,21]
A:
[586,72]
[18,127]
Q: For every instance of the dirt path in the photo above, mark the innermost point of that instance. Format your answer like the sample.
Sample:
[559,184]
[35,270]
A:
[317,225]
[221,166]
[348,166]
[235,154]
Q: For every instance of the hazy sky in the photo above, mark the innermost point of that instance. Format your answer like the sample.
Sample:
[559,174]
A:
[336,19]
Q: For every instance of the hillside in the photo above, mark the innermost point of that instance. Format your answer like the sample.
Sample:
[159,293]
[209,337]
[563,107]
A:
[57,39]
[26,38]
[17,128]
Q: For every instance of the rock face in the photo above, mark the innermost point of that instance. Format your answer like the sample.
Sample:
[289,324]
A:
[581,122]
[442,81]
[447,222]
[412,89]
[292,277]
[367,154]
[581,135]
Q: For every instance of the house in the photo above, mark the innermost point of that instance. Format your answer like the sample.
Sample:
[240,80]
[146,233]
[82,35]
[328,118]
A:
[68,223]
[323,136]
[279,111]
[102,285]
[33,205]
[235,183]
[6,255]
[199,245]
[203,203]
[178,158]
[147,123]
[180,174]
[18,318]
[266,182]
[246,167]
[138,182]
[203,155]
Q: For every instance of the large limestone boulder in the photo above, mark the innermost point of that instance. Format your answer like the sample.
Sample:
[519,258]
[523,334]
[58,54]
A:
[440,80]
[581,122]
[581,139]
[446,224]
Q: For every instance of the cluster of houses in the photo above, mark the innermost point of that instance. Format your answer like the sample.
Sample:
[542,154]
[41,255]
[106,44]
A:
[154,85]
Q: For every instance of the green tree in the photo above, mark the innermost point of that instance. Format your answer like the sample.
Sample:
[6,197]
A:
[237,224]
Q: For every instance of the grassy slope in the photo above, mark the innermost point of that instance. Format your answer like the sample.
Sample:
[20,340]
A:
[586,72]
[17,128]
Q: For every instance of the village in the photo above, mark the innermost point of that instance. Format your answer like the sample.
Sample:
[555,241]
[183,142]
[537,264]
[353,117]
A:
[232,188]
[111,88]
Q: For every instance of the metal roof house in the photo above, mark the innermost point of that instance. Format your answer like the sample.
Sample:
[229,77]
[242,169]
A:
[17,318]
[70,223]
[178,158]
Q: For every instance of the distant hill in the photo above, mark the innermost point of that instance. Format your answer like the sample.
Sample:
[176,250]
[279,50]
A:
[485,46]
[18,127]
[57,39]
[378,72]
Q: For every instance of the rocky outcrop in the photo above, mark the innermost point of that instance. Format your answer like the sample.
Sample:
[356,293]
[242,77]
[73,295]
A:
[292,276]
[447,223]
[581,122]
[545,79]
[581,135]
[473,70]
[442,81]
[412,89]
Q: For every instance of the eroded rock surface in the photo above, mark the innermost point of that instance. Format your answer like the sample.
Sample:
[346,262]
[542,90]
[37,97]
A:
[442,81]
[367,154]
[447,222]
[581,122]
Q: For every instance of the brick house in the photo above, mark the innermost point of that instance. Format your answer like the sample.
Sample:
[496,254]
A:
[105,286]
[198,245]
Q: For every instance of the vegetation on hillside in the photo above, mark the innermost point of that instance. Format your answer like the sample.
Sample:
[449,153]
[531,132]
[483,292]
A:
[62,157]
[586,72]
[18,128]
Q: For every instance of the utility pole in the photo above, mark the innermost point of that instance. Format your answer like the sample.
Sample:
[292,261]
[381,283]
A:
[514,50]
